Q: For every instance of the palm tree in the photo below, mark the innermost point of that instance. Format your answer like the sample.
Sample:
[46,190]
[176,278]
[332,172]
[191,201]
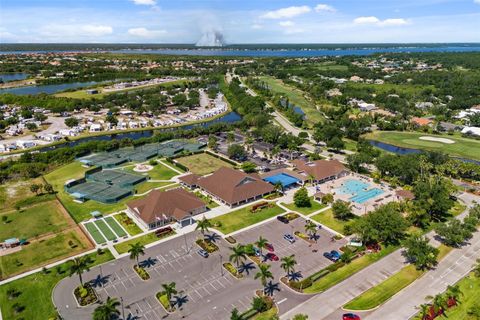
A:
[454,292]
[476,269]
[424,311]
[203,225]
[235,315]
[310,228]
[238,254]
[288,264]
[261,244]
[107,310]
[78,266]
[439,304]
[264,274]
[136,250]
[169,290]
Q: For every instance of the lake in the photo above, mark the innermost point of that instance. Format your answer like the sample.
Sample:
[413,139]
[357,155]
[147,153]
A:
[7,77]
[48,88]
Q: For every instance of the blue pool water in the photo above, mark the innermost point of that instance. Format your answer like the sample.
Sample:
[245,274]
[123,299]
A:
[283,178]
[359,191]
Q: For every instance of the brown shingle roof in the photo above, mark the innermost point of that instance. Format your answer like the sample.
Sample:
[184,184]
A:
[176,203]
[405,194]
[233,186]
[320,169]
[190,179]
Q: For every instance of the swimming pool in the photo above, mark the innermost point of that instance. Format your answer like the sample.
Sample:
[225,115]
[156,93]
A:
[359,191]
[283,178]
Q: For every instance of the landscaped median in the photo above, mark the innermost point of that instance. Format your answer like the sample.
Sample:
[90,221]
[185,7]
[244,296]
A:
[128,223]
[233,270]
[145,239]
[379,294]
[244,217]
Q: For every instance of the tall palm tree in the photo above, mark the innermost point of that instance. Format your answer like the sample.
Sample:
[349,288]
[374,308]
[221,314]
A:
[238,254]
[136,250]
[439,304]
[310,228]
[424,311]
[476,269]
[288,264]
[107,310]
[454,292]
[203,225]
[264,274]
[78,266]
[169,290]
[261,243]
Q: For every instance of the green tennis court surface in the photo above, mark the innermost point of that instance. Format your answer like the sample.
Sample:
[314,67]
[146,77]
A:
[95,233]
[115,227]
[105,230]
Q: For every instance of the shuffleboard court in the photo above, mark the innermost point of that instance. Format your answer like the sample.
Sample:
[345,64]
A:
[115,227]
[95,233]
[105,230]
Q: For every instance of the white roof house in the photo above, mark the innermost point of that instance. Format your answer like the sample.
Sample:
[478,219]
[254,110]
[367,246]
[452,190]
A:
[471,130]
[95,127]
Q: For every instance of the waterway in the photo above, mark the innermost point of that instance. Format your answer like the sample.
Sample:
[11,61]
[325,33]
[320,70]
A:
[48,88]
[7,77]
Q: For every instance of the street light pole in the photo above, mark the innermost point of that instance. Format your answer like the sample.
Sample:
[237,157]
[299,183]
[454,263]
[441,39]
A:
[101,276]
[221,267]
[185,238]
[123,310]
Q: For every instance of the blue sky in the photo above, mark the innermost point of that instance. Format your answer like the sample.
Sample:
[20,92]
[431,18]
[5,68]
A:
[245,21]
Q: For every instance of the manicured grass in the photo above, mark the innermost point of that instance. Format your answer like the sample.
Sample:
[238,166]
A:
[39,253]
[159,172]
[207,200]
[242,218]
[463,147]
[305,210]
[267,315]
[348,270]
[382,292]
[115,227]
[327,219]
[148,185]
[203,163]
[105,230]
[295,97]
[95,233]
[78,211]
[145,239]
[409,89]
[128,223]
[34,221]
[457,209]
[36,291]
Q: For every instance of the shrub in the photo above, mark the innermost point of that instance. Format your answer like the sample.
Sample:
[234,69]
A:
[302,284]
[301,198]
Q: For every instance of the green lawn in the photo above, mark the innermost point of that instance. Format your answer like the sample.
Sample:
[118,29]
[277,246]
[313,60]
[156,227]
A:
[457,208]
[113,224]
[36,291]
[79,211]
[148,185]
[203,163]
[13,191]
[242,218]
[159,172]
[34,221]
[207,200]
[105,230]
[463,147]
[123,247]
[409,89]
[327,219]
[42,252]
[306,210]
[296,97]
[382,292]
[128,224]
[348,270]
[95,233]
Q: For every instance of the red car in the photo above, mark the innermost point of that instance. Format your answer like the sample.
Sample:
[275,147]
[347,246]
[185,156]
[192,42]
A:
[350,316]
[269,247]
[272,256]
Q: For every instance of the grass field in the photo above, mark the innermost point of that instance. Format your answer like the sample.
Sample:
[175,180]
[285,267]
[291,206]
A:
[306,210]
[149,185]
[159,172]
[39,253]
[382,292]
[14,191]
[36,291]
[34,221]
[95,233]
[409,89]
[113,224]
[128,224]
[348,270]
[296,97]
[463,147]
[123,247]
[242,218]
[79,211]
[203,163]
[327,219]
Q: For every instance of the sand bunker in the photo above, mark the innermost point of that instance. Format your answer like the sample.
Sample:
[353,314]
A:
[435,139]
[142,168]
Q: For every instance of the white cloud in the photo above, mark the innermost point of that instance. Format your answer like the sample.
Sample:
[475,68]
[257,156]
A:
[96,30]
[326,8]
[287,23]
[257,26]
[476,1]
[145,2]
[393,22]
[145,33]
[289,12]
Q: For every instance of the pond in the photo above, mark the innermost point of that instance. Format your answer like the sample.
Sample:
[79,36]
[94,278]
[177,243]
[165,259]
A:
[7,77]
[48,88]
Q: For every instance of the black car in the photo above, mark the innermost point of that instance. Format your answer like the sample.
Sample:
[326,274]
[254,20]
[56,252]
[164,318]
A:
[283,219]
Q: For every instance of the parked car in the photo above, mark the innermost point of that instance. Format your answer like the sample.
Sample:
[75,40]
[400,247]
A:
[350,316]
[257,251]
[283,219]
[355,242]
[203,253]
[269,247]
[332,255]
[289,238]
[272,256]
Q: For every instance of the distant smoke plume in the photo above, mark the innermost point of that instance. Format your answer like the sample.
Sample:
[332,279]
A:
[211,38]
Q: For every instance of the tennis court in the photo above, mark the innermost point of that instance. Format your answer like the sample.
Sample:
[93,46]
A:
[92,190]
[107,232]
[117,178]
[95,233]
[115,227]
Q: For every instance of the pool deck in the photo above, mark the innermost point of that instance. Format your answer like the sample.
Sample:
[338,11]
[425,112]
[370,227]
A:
[371,204]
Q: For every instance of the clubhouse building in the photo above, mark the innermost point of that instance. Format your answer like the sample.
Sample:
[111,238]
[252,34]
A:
[321,171]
